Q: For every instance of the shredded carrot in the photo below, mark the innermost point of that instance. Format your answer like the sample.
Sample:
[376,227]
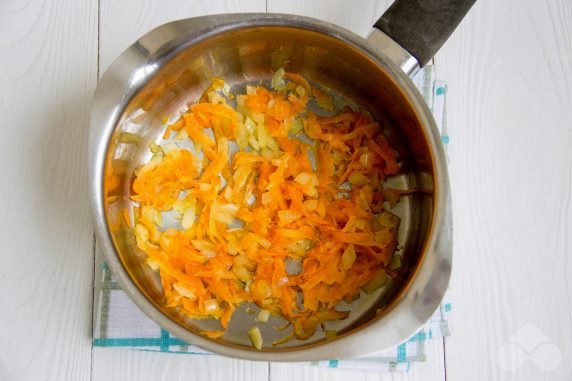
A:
[213,334]
[244,215]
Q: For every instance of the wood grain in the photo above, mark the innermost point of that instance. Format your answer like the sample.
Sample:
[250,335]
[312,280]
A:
[123,22]
[358,19]
[126,364]
[47,75]
[147,16]
[509,74]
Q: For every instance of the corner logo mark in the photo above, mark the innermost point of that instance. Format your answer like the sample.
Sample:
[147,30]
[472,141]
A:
[529,343]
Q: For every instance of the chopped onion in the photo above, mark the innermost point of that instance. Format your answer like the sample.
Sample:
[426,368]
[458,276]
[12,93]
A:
[310,205]
[230,208]
[208,253]
[299,248]
[330,334]
[201,244]
[363,201]
[257,118]
[255,337]
[211,305]
[249,125]
[267,154]
[358,179]
[231,248]
[181,134]
[265,139]
[387,219]
[224,213]
[306,178]
[263,316]
[253,142]
[206,248]
[152,264]
[278,82]
[266,198]
[241,273]
[288,215]
[297,126]
[242,136]
[360,223]
[366,159]
[261,240]
[226,90]
[395,262]
[349,257]
[215,98]
[376,282]
[155,159]
[141,234]
[184,291]
[228,193]
[154,147]
[188,218]
[151,215]
[384,237]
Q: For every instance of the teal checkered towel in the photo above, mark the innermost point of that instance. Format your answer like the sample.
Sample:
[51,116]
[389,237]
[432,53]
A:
[119,323]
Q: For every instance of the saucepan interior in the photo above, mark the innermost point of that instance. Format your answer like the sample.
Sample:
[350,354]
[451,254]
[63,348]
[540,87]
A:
[248,56]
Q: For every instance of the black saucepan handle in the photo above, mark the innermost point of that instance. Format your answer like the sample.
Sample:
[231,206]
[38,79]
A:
[422,26]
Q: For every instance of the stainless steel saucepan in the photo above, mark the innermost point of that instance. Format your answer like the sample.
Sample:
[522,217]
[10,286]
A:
[172,65]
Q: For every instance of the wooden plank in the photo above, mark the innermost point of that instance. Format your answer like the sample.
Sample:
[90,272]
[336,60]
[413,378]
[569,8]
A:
[48,72]
[358,19]
[509,72]
[121,23]
[126,364]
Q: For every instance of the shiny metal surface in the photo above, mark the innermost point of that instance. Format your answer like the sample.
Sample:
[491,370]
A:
[172,65]
[394,51]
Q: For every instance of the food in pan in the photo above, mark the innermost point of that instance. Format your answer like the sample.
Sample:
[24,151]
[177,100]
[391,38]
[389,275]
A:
[274,204]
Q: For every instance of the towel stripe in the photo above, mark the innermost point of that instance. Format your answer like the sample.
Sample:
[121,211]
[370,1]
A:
[162,342]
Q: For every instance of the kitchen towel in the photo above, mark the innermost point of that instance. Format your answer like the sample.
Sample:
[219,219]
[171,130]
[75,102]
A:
[117,322]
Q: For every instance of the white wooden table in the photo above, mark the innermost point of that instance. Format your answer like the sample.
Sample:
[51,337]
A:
[509,71]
